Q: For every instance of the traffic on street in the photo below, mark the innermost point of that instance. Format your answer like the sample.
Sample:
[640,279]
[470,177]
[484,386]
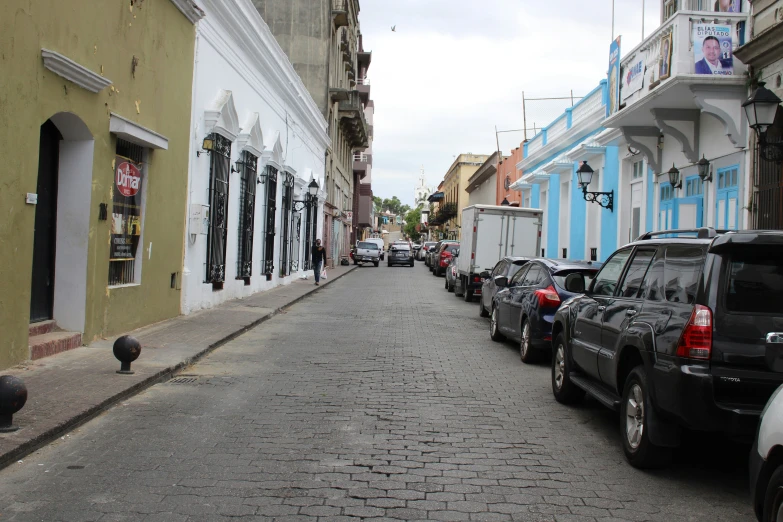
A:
[379,397]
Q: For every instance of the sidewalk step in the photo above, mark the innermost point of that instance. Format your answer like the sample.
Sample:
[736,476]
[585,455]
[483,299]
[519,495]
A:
[51,343]
[42,327]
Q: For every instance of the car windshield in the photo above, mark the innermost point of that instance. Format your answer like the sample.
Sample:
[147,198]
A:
[452,248]
[368,246]
[755,281]
[400,247]
[560,277]
[513,269]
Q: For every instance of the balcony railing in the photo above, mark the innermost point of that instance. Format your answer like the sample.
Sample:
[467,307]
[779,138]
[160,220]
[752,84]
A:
[557,128]
[652,60]
[339,13]
[363,81]
[365,158]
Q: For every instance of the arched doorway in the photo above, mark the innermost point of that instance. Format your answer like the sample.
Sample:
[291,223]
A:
[62,222]
[45,239]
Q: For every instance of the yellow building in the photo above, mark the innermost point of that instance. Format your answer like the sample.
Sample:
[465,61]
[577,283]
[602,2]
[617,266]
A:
[96,109]
[454,184]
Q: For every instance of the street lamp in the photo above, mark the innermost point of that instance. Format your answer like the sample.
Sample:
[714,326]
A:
[703,166]
[604,199]
[674,177]
[761,108]
[310,197]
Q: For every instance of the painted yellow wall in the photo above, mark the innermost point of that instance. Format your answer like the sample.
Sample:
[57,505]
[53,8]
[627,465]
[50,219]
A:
[104,36]
[456,181]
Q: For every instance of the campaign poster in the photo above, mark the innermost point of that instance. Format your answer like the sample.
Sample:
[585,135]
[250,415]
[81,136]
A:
[712,52]
[126,210]
[728,6]
[614,76]
[633,78]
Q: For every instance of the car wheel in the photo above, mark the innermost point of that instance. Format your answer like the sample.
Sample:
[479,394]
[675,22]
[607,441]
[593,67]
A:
[376,263]
[482,311]
[355,262]
[565,391]
[467,292]
[458,293]
[446,284]
[635,424]
[494,331]
[773,499]
[526,353]
[450,288]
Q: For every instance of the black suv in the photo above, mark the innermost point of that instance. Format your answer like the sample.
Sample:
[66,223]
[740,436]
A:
[672,333]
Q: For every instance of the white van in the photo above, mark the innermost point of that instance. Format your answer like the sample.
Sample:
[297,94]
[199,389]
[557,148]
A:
[378,241]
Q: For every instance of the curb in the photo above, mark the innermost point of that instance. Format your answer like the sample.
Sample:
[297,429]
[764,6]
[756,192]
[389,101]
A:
[165,374]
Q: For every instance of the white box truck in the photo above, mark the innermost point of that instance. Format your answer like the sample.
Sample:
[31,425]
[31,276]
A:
[488,234]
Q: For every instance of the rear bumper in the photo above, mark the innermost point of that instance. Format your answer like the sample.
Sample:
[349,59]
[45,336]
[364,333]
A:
[686,394]
[541,332]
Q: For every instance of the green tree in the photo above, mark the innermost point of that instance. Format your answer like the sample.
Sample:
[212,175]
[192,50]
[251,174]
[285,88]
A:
[378,204]
[412,218]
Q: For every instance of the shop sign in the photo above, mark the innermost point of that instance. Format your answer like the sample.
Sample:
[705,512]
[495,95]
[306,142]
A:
[126,210]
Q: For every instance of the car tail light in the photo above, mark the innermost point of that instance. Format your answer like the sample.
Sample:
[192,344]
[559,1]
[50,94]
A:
[476,279]
[696,339]
[548,297]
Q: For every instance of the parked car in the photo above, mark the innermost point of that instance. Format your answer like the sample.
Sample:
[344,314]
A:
[442,259]
[451,271]
[673,334]
[525,305]
[435,251]
[378,241]
[366,252]
[400,254]
[423,250]
[506,267]
[766,457]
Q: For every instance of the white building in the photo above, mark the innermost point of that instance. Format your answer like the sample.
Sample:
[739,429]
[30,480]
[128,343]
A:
[251,218]
[422,190]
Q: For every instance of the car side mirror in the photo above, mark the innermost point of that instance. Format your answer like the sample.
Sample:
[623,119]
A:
[501,281]
[484,275]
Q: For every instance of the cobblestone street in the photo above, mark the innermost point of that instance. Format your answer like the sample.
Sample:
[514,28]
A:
[379,397]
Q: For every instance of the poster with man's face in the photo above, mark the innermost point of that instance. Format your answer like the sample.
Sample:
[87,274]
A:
[712,53]
[728,6]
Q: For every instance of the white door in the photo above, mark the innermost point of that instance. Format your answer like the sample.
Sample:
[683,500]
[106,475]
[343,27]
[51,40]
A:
[636,211]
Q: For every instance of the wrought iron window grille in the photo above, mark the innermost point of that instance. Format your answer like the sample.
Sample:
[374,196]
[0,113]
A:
[247,198]
[270,177]
[217,234]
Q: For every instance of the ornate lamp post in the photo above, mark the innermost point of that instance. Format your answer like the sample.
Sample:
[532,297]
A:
[760,109]
[604,199]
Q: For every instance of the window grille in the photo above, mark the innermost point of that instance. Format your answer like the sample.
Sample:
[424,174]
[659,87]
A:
[247,212]
[123,272]
[286,217]
[220,168]
[268,263]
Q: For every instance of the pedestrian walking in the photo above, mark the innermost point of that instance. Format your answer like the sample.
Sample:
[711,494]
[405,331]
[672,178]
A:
[319,259]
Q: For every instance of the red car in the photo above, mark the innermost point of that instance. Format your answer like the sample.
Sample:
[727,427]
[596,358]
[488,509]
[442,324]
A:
[443,258]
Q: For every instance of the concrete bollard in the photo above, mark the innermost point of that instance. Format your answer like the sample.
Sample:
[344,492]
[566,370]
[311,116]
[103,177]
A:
[13,396]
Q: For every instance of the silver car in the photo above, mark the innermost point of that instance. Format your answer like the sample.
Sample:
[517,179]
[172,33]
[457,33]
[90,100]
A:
[400,254]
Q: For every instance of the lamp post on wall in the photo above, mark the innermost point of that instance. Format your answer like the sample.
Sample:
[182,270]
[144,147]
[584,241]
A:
[604,199]
[311,204]
[674,177]
[761,108]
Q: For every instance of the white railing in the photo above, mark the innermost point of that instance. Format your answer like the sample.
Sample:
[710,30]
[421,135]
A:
[678,32]
[587,106]
[363,81]
[558,128]
[536,144]
[361,157]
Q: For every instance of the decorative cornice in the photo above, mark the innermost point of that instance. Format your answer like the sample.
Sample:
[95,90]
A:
[251,138]
[190,9]
[70,70]
[135,133]
[241,36]
[222,117]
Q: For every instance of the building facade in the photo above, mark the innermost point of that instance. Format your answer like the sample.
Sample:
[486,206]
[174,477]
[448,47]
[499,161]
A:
[455,196]
[321,39]
[362,161]
[96,162]
[763,54]
[508,174]
[482,185]
[252,219]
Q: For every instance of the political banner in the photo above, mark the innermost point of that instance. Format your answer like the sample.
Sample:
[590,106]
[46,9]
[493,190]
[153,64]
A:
[634,78]
[614,77]
[712,52]
[126,210]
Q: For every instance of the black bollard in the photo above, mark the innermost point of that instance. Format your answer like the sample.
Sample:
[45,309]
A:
[126,349]
[13,395]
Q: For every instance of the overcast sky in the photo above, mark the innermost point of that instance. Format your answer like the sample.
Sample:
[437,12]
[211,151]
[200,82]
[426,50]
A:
[454,69]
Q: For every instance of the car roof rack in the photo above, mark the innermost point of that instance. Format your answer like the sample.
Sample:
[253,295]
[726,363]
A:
[701,233]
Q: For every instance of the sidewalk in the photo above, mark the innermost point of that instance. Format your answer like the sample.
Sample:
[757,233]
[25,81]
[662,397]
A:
[68,389]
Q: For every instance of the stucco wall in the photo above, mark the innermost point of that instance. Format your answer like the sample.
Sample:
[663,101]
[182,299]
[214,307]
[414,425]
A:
[157,96]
